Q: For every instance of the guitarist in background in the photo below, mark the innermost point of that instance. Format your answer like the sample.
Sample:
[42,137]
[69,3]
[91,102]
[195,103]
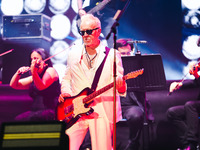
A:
[82,65]
[103,9]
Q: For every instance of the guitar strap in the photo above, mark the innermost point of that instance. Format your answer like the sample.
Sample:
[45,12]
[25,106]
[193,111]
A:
[98,72]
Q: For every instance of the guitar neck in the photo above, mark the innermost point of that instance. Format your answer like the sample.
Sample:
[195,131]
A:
[90,97]
[100,6]
[130,75]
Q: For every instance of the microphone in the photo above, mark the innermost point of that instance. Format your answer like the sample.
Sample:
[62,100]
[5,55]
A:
[137,41]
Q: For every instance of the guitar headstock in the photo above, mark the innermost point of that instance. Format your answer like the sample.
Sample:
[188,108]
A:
[134,74]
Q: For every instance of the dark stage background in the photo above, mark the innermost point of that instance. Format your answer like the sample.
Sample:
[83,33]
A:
[159,22]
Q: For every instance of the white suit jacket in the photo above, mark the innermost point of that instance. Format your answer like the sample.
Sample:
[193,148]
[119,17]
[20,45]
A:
[75,80]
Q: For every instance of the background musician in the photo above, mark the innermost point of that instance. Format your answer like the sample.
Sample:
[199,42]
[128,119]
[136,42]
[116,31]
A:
[133,103]
[186,117]
[43,85]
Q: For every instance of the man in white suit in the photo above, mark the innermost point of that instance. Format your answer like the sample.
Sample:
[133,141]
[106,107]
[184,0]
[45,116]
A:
[82,65]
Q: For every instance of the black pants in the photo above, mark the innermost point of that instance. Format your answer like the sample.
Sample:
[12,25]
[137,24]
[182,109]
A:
[186,119]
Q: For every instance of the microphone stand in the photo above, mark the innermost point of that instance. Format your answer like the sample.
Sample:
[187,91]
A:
[114,31]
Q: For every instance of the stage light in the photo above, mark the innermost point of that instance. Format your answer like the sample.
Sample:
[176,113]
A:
[74,6]
[60,68]
[190,49]
[60,26]
[12,7]
[191,4]
[34,6]
[60,48]
[192,19]
[59,6]
[75,28]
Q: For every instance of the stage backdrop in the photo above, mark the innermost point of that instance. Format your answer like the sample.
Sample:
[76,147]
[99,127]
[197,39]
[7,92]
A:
[167,26]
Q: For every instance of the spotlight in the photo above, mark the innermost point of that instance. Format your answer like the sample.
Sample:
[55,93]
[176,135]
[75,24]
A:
[74,6]
[190,49]
[192,19]
[56,48]
[10,7]
[60,26]
[75,28]
[60,68]
[59,6]
[34,6]
[191,4]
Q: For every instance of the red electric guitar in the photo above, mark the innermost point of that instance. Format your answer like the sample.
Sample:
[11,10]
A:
[75,107]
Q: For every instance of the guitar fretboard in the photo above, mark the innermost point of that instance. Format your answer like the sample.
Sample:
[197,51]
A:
[89,98]
[100,6]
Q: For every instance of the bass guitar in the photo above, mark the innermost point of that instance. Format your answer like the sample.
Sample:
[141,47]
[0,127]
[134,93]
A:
[75,107]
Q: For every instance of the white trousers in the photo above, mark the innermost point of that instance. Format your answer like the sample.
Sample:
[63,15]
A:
[100,132]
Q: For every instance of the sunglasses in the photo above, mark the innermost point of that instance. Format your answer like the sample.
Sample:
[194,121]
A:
[89,32]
